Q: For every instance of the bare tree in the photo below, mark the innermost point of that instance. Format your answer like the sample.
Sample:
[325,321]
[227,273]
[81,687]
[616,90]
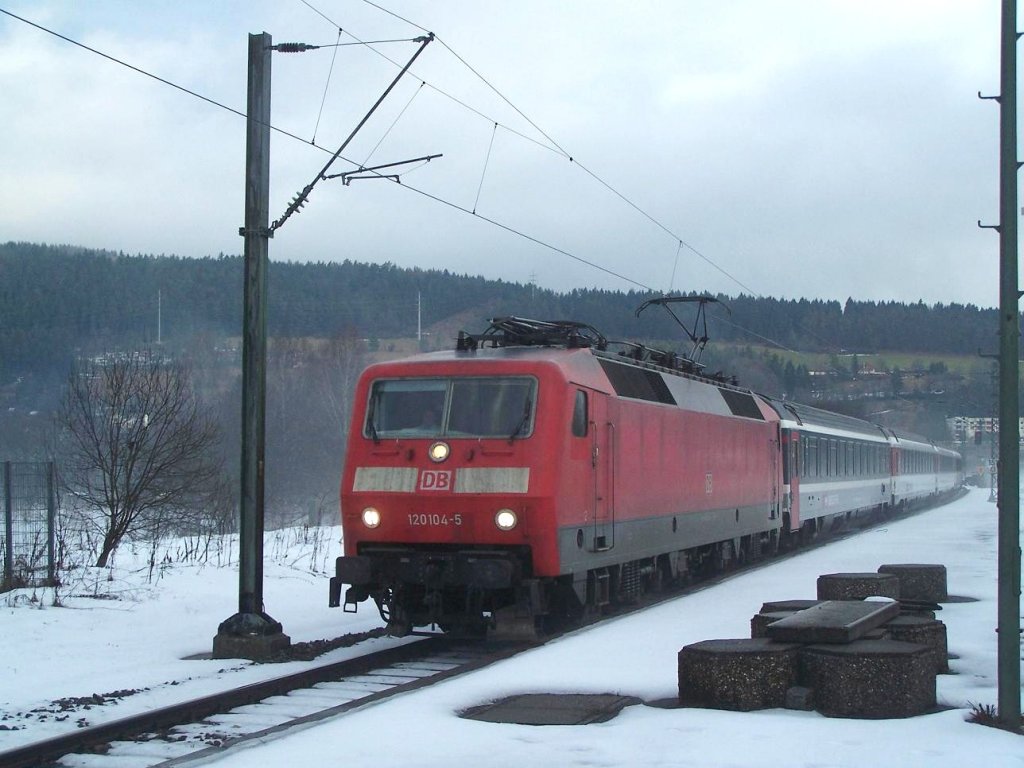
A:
[137,444]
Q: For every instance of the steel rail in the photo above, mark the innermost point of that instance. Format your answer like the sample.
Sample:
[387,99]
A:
[88,739]
[46,752]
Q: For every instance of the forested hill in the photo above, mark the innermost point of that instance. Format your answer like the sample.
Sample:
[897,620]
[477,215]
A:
[55,300]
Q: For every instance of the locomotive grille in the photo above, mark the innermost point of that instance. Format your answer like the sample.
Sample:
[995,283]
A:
[630,587]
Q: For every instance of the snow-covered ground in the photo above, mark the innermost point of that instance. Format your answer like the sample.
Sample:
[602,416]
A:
[140,641]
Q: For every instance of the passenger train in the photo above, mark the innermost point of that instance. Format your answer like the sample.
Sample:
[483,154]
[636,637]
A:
[532,475]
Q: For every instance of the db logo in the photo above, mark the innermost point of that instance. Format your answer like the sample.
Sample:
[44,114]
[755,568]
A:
[435,480]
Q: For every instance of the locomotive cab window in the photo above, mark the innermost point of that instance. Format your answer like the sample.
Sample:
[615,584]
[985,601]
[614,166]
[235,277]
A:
[579,415]
[452,407]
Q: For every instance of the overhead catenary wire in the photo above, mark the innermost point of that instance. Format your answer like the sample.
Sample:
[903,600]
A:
[327,86]
[555,147]
[466,64]
[393,124]
[672,282]
[300,199]
[321,14]
[435,198]
[440,91]
[159,79]
[756,335]
[483,173]
[570,157]
[353,163]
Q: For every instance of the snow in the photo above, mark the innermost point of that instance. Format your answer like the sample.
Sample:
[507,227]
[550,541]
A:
[99,646]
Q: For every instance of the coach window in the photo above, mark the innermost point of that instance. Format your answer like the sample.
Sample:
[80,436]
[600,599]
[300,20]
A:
[579,415]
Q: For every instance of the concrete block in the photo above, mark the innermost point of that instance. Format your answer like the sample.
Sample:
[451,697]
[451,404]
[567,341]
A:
[926,632]
[869,678]
[738,675]
[857,586]
[759,622]
[924,583]
[255,647]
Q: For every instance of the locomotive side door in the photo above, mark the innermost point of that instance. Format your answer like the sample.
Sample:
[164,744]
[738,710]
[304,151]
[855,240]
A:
[791,472]
[775,449]
[602,455]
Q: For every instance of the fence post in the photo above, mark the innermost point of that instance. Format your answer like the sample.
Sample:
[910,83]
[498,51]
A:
[51,523]
[8,529]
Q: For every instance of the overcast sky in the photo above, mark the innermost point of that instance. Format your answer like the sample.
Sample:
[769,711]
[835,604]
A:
[813,148]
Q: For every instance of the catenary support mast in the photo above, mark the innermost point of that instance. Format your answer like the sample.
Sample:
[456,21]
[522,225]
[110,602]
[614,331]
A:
[1009,410]
[251,633]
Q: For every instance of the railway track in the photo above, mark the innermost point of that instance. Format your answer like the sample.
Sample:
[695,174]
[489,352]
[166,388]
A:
[183,733]
[193,730]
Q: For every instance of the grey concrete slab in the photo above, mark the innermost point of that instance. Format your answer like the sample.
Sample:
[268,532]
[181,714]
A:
[833,621]
[787,605]
[552,708]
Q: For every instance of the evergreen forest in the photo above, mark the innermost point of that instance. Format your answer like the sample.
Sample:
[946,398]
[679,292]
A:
[909,366]
[58,301]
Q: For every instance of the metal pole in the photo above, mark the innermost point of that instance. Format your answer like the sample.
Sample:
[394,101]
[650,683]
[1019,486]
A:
[9,528]
[251,633]
[254,325]
[1009,411]
[51,523]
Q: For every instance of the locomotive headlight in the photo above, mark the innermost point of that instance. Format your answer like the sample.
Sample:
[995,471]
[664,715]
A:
[439,451]
[371,517]
[506,519]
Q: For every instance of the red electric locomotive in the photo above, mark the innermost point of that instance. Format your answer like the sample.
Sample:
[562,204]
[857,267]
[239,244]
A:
[532,473]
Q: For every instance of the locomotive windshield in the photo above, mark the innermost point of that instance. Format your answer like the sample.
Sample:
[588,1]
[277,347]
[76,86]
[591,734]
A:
[452,407]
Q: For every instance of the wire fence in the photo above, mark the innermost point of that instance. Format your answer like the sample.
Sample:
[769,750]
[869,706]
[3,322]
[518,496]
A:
[28,498]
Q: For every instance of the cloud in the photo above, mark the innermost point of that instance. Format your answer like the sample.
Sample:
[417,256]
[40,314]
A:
[825,150]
